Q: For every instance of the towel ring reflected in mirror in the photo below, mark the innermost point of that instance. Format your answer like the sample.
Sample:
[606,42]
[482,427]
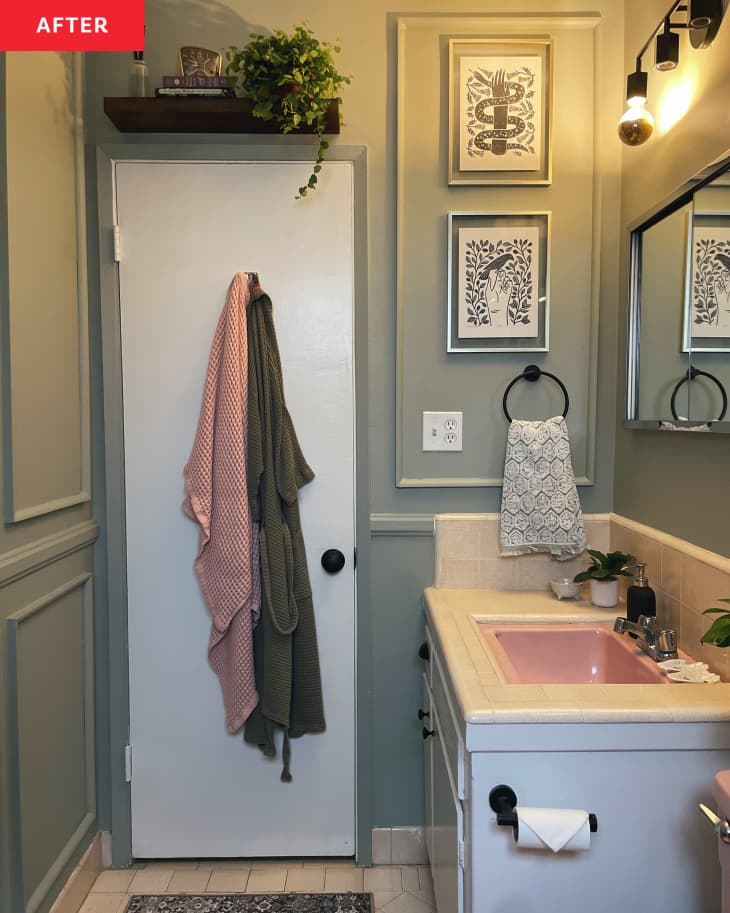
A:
[531,374]
[691,374]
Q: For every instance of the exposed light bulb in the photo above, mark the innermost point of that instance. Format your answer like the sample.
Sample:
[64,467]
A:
[636,124]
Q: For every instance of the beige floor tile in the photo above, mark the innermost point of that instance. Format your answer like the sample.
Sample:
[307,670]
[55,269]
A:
[383,878]
[263,882]
[227,881]
[150,881]
[104,903]
[425,897]
[191,882]
[306,879]
[411,881]
[381,898]
[407,903]
[113,881]
[228,865]
[424,876]
[339,880]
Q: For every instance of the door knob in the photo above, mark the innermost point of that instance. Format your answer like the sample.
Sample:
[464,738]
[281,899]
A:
[422,714]
[428,732]
[333,560]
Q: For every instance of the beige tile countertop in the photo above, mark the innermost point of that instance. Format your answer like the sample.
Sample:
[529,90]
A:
[483,697]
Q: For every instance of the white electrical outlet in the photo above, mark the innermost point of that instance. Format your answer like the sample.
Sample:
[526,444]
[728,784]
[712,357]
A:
[443,431]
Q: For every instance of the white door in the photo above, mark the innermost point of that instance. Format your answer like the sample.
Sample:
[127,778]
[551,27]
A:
[185,230]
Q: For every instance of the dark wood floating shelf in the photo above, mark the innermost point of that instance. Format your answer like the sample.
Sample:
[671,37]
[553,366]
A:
[197,115]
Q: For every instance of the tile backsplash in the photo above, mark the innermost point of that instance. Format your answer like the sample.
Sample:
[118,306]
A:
[467,554]
[687,579]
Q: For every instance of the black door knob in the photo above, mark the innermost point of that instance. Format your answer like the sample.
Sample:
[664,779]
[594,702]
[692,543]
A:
[333,560]
[428,732]
[424,652]
[422,714]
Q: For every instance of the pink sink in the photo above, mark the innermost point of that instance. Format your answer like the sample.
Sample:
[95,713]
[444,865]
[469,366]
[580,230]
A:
[570,654]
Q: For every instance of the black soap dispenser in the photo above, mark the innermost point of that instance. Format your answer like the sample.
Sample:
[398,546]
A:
[640,598]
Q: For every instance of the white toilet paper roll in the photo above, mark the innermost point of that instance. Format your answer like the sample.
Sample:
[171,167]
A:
[556,829]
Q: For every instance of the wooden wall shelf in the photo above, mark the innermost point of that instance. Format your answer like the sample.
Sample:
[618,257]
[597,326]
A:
[197,115]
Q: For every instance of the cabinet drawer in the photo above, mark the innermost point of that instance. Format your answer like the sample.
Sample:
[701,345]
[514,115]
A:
[448,729]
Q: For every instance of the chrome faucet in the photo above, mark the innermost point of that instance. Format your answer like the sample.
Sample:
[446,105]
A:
[658,643]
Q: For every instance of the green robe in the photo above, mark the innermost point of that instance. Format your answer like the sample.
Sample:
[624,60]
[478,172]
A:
[285,639]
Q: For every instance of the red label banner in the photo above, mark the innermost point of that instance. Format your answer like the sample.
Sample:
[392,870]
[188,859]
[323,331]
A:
[72,25]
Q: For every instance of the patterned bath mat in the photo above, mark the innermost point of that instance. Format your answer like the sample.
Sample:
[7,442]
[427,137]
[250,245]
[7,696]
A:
[251,903]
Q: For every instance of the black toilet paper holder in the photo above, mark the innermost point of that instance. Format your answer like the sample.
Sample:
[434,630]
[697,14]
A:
[503,801]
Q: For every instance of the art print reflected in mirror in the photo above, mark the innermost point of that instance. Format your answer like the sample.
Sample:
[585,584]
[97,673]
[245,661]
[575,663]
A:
[678,367]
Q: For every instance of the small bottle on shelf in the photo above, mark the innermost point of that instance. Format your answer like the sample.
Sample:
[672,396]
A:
[640,598]
[138,76]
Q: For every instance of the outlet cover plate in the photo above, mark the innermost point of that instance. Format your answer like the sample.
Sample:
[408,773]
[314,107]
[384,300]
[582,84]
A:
[443,431]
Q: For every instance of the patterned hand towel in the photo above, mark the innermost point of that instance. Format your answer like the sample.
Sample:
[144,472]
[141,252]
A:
[540,505]
[216,490]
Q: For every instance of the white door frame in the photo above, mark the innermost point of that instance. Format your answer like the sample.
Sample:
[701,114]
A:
[111,553]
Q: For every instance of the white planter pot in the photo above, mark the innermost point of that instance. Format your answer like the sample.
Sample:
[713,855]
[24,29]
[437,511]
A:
[604,593]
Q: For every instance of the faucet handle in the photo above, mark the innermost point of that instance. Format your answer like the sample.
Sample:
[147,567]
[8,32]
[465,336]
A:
[647,621]
[666,640]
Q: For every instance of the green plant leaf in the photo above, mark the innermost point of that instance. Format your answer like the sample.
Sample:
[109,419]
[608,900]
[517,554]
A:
[718,631]
[582,577]
[598,556]
[716,612]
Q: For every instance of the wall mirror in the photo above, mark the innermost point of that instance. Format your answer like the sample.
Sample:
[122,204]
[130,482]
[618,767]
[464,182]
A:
[678,352]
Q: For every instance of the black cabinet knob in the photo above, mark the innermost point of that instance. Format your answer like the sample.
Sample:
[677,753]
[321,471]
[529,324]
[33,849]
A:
[333,560]
[428,732]
[422,714]
[424,652]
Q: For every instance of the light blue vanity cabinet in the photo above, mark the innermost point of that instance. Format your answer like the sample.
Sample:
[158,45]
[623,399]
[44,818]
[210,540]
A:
[444,775]
[639,757]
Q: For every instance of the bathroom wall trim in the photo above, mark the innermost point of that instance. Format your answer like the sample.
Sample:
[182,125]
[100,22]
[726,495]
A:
[720,562]
[401,524]
[106,155]
[32,557]
[496,23]
[15,513]
[56,875]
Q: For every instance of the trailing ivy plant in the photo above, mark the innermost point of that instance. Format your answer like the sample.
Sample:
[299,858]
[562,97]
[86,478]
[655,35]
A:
[606,567]
[291,79]
[718,634]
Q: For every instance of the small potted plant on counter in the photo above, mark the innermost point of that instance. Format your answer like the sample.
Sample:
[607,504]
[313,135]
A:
[291,79]
[603,574]
[718,634]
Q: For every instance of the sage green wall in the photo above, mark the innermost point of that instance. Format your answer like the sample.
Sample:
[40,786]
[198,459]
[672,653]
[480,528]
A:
[674,482]
[402,562]
[47,532]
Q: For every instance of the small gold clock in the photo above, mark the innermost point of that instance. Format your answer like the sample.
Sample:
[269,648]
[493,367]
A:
[199,62]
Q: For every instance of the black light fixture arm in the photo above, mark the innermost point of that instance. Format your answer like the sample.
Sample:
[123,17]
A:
[677,7]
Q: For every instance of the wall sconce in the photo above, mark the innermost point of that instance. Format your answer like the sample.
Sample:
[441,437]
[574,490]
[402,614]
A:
[702,19]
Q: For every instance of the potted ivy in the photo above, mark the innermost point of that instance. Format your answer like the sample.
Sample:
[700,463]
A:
[291,78]
[603,574]
[718,634]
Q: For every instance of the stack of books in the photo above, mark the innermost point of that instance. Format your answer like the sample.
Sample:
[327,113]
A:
[195,87]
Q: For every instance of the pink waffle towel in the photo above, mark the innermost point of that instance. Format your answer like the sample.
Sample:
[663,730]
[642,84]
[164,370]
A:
[227,564]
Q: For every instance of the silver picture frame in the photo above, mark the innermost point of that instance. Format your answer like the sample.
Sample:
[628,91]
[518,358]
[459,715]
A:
[506,143]
[498,265]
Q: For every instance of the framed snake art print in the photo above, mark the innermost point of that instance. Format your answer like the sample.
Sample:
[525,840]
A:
[500,110]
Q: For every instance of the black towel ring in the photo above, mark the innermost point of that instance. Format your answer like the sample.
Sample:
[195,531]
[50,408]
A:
[691,374]
[533,373]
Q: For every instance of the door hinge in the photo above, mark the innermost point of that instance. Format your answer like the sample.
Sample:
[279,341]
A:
[127,763]
[461,853]
[117,244]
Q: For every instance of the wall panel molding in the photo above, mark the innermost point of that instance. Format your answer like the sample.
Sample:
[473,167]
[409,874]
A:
[32,557]
[83,830]
[17,506]
[428,378]
[401,524]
